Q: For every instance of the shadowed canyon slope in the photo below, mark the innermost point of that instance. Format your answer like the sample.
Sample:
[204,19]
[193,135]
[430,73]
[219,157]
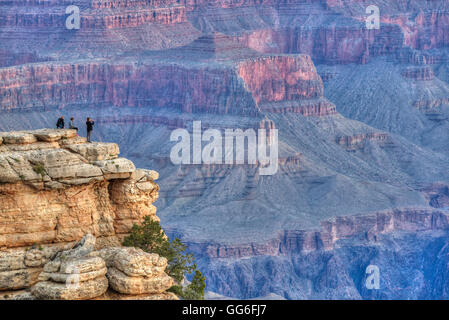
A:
[362,118]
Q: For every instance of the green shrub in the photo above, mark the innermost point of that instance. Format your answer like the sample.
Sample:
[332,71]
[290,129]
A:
[39,169]
[150,237]
[195,290]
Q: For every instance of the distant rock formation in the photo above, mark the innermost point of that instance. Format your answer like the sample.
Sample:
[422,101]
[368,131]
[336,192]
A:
[368,226]
[134,272]
[54,189]
[358,141]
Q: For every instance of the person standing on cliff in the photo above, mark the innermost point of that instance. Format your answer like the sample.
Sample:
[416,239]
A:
[90,127]
[60,124]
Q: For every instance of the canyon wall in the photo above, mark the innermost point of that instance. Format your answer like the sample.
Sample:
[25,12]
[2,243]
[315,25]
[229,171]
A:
[280,78]
[95,14]
[367,227]
[178,87]
[329,31]
[272,83]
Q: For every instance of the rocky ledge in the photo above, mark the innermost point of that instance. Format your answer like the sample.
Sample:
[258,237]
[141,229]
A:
[57,159]
[82,273]
[55,188]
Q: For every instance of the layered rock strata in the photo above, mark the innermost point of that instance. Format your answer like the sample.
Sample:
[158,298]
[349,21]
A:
[247,86]
[54,189]
[358,141]
[134,272]
[367,226]
[73,274]
[81,273]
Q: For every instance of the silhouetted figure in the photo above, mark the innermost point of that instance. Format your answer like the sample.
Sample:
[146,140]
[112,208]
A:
[72,124]
[90,127]
[60,124]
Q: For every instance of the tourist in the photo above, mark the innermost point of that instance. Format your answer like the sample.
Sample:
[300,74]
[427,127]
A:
[72,124]
[60,124]
[90,127]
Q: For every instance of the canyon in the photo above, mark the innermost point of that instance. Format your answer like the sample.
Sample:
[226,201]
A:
[362,117]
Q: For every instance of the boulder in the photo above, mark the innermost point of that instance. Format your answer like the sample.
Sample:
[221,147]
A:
[12,260]
[52,135]
[83,269]
[133,271]
[18,279]
[73,274]
[17,137]
[20,268]
[119,168]
[143,175]
[125,284]
[70,141]
[96,151]
[47,290]
[145,186]
[134,262]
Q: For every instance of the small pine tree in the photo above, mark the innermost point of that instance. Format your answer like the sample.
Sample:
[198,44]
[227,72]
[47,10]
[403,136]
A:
[150,237]
[195,290]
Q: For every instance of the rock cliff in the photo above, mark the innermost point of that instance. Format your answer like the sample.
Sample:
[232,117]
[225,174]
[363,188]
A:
[276,83]
[54,189]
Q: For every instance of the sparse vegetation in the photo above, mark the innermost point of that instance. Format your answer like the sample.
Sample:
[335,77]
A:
[39,169]
[150,237]
[194,291]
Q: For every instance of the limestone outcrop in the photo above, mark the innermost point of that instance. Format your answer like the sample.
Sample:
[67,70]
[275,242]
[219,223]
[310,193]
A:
[82,273]
[73,274]
[134,272]
[54,189]
[20,268]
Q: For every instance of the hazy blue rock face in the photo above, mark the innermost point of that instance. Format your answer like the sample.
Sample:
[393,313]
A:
[410,267]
